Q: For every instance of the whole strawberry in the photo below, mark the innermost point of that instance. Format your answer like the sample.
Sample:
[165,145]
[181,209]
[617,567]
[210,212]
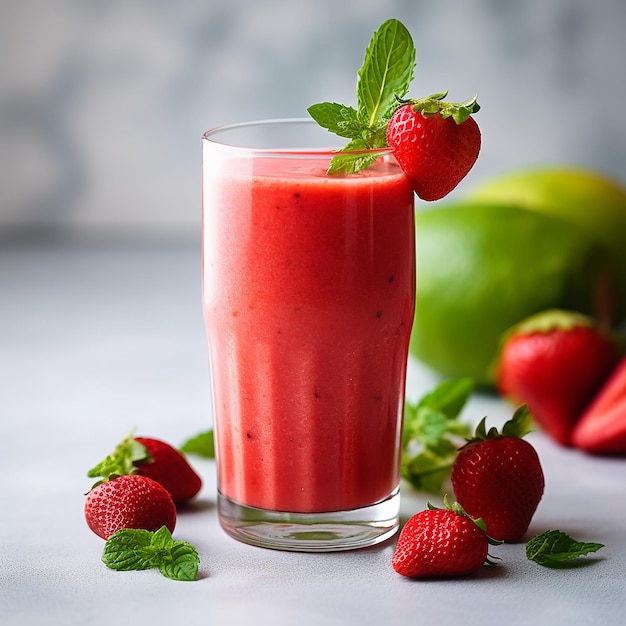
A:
[153,458]
[555,362]
[440,542]
[169,467]
[435,142]
[129,501]
[498,477]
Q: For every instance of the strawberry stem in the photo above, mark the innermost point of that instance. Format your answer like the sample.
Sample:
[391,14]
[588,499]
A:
[123,460]
[435,103]
[518,426]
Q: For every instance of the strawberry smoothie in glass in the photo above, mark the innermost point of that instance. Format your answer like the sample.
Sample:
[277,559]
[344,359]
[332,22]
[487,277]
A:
[308,300]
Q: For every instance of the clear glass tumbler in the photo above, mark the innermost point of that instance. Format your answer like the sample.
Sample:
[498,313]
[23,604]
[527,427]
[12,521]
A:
[308,300]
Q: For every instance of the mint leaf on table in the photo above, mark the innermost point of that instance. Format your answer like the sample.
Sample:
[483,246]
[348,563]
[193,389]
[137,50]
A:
[433,434]
[136,549]
[556,549]
[382,81]
[202,444]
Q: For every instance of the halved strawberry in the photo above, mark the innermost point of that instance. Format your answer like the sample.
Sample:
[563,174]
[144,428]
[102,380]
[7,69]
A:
[602,427]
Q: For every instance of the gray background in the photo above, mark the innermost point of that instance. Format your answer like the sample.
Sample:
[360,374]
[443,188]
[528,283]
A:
[103,102]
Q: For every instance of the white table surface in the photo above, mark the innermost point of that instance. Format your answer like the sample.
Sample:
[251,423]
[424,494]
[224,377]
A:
[94,341]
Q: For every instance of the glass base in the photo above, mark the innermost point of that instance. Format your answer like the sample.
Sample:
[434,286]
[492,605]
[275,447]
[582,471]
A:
[311,532]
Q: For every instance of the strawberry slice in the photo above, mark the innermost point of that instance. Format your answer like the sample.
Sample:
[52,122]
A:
[601,429]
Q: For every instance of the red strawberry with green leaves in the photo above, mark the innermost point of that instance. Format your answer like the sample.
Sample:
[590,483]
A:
[601,428]
[498,477]
[155,459]
[129,501]
[438,543]
[435,142]
[555,362]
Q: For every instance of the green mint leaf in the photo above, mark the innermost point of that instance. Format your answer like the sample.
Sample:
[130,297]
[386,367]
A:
[430,425]
[383,79]
[347,162]
[135,549]
[337,118]
[449,397]
[121,461]
[556,549]
[162,539]
[386,73]
[432,434]
[202,445]
[128,549]
[181,563]
[428,470]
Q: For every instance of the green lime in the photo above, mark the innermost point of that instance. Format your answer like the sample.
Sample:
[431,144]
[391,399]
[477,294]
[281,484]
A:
[589,199]
[482,268]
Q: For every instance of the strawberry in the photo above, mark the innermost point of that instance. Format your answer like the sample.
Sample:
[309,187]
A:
[169,467]
[498,477]
[153,458]
[440,542]
[129,501]
[555,362]
[601,428]
[436,143]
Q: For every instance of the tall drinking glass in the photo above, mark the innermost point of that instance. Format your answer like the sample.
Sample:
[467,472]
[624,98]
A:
[308,300]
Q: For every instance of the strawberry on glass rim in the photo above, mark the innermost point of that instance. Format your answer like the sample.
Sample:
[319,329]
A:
[435,142]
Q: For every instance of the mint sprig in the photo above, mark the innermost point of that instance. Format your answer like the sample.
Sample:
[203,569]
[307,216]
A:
[382,84]
[383,80]
[433,434]
[556,549]
[136,549]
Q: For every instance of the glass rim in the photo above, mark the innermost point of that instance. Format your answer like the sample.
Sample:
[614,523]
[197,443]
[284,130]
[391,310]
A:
[209,136]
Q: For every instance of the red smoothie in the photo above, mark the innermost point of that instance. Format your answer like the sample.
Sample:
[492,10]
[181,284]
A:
[308,294]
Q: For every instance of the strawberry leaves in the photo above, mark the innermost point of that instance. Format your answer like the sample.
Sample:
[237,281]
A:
[383,79]
[123,460]
[435,103]
[518,426]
